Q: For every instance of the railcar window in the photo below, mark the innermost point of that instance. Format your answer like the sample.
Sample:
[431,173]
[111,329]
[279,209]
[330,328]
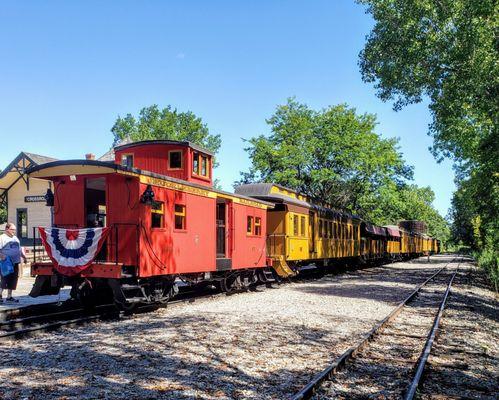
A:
[127,160]
[320,228]
[204,166]
[180,216]
[258,226]
[330,229]
[295,225]
[175,159]
[157,214]
[249,225]
[195,163]
[326,228]
[200,164]
[302,221]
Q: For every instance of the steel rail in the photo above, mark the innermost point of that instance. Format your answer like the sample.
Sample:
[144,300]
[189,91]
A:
[308,390]
[31,309]
[51,326]
[411,392]
[50,316]
[114,313]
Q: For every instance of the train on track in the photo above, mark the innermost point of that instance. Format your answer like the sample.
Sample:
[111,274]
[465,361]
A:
[132,227]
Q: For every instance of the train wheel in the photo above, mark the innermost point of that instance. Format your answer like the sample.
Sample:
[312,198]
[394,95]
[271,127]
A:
[231,283]
[127,307]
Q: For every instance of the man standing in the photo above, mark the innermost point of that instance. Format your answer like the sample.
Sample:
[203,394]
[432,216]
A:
[10,247]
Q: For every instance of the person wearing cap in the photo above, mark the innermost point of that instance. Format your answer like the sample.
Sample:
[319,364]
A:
[10,247]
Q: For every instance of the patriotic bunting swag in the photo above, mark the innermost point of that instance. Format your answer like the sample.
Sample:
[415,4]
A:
[72,250]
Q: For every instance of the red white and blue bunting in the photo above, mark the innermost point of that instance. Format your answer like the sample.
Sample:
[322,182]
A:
[73,250]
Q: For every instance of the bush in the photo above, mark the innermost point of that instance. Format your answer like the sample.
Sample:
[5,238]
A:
[488,260]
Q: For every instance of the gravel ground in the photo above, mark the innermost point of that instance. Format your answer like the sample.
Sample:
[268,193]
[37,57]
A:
[253,345]
[384,368]
[464,362]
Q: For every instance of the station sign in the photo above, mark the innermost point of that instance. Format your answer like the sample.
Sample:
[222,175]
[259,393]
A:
[34,199]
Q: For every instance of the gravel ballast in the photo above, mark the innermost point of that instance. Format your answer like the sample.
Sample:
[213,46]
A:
[259,345]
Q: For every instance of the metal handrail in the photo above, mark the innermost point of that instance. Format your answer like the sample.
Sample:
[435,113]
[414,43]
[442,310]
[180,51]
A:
[112,244]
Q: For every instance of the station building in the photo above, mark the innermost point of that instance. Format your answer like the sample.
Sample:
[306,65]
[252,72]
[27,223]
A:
[25,198]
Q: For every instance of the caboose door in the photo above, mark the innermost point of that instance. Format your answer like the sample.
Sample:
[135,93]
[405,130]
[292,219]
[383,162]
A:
[221,227]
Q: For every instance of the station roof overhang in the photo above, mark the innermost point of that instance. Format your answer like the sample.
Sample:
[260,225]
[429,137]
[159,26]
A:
[17,170]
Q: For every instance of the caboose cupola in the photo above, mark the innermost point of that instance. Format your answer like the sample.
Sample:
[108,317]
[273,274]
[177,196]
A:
[178,159]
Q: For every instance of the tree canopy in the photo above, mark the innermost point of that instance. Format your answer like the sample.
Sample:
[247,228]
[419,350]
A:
[447,51]
[167,123]
[335,155]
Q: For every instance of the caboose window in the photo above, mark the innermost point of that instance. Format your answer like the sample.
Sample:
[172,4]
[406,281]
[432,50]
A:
[200,164]
[204,166]
[295,225]
[179,216]
[302,222]
[127,160]
[258,226]
[157,214]
[175,159]
[320,228]
[195,163]
[249,225]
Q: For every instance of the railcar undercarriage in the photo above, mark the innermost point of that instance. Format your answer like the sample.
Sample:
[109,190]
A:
[129,292]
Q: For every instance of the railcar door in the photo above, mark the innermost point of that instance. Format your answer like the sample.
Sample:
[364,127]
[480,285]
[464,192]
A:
[96,208]
[311,230]
[221,227]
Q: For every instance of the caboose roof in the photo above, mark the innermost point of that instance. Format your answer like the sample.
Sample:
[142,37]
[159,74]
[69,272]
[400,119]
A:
[165,142]
[85,167]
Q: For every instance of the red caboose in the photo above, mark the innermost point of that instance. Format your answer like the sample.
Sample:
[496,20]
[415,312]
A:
[164,218]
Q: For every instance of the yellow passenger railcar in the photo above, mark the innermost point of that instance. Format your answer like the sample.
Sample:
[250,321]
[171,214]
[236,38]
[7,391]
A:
[302,231]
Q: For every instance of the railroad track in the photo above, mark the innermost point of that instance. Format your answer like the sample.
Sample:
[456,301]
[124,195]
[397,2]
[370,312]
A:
[390,359]
[23,322]
[53,318]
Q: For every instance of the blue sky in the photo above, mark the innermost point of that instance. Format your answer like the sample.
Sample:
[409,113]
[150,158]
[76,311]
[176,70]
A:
[68,69]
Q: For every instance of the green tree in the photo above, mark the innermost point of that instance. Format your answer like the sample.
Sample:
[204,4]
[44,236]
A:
[447,51]
[334,155]
[167,123]
[409,201]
